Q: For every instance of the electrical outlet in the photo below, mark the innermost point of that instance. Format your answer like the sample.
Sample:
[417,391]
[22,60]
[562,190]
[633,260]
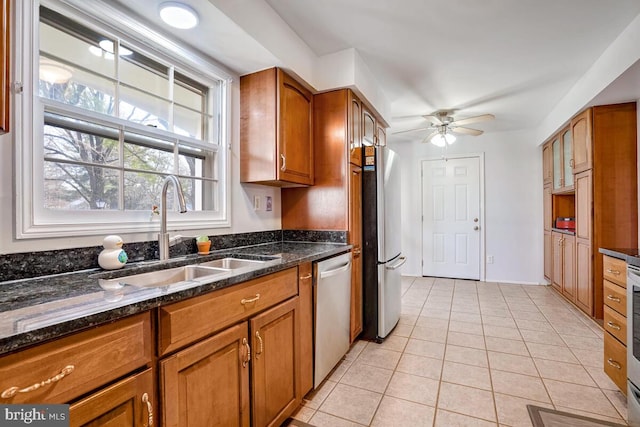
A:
[256,203]
[489,259]
[268,204]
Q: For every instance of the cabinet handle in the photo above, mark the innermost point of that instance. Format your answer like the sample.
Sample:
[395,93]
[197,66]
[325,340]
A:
[357,251]
[612,325]
[244,301]
[145,399]
[11,391]
[308,276]
[613,363]
[261,344]
[614,272]
[613,298]
[248,359]
[284,163]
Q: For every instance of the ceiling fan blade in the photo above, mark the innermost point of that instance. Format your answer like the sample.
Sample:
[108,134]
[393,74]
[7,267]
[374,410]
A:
[466,131]
[431,135]
[474,119]
[410,130]
[436,120]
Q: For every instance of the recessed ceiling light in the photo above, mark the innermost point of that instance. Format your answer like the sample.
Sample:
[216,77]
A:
[178,15]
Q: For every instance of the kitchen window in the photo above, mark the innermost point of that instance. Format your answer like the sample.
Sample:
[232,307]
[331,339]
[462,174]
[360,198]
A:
[110,117]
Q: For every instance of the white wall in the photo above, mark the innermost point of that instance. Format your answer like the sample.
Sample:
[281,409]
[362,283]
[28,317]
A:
[513,203]
[243,217]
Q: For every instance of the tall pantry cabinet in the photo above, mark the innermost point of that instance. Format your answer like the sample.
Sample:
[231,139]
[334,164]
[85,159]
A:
[334,202]
[604,199]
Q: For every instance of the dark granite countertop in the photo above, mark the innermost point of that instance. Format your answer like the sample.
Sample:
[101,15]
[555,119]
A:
[43,308]
[630,255]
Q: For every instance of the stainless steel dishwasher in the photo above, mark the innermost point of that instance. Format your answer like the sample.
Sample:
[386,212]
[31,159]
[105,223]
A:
[332,297]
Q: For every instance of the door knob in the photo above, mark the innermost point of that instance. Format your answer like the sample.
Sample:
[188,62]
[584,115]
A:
[476,228]
[475,219]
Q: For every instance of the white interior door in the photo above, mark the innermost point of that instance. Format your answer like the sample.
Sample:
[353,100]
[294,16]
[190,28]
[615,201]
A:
[451,224]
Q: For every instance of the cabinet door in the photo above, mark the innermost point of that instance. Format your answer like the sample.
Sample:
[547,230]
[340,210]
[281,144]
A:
[275,365]
[355,130]
[355,239]
[584,278]
[305,284]
[567,159]
[295,149]
[581,136]
[548,261]
[381,135]
[130,402]
[547,164]
[556,250]
[368,127]
[569,267]
[584,205]
[556,148]
[208,383]
[5,55]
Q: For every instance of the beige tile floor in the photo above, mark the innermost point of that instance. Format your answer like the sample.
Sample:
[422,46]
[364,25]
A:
[470,354]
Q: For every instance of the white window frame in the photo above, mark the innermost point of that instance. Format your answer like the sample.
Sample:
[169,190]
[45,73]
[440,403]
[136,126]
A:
[32,220]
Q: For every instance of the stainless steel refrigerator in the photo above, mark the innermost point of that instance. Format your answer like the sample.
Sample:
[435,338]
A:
[382,254]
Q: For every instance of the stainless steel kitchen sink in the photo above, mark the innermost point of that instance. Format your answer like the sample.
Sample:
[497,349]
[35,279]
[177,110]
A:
[233,263]
[187,273]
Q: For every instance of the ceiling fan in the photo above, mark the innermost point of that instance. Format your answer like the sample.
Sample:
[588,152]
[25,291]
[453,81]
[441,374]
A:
[444,125]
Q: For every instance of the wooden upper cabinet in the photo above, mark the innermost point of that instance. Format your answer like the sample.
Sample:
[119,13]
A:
[547,163]
[5,55]
[355,130]
[567,158]
[581,135]
[381,134]
[562,161]
[368,127]
[276,130]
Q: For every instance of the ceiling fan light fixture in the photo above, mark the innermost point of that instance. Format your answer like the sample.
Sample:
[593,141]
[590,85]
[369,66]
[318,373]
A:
[442,139]
[178,15]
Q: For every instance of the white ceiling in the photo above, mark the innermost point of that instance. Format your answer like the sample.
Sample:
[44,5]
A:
[512,58]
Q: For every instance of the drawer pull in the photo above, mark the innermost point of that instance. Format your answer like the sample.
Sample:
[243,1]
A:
[11,391]
[613,325]
[145,399]
[614,272]
[308,276]
[244,301]
[613,363]
[261,344]
[248,359]
[613,298]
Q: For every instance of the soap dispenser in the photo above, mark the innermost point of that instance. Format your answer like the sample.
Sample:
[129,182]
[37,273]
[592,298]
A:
[112,256]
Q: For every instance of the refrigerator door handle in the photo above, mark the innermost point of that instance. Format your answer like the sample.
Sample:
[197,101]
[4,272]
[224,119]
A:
[400,263]
[335,271]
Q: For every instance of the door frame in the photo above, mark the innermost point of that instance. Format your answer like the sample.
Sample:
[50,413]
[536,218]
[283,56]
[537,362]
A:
[482,222]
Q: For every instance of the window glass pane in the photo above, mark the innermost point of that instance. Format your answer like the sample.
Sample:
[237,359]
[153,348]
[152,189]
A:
[143,73]
[148,158]
[83,90]
[188,122]
[142,191]
[195,162]
[73,144]
[81,52]
[189,97]
[145,109]
[79,187]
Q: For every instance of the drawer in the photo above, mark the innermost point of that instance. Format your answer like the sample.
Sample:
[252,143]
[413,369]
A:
[615,324]
[188,321]
[615,270]
[615,361]
[615,297]
[61,370]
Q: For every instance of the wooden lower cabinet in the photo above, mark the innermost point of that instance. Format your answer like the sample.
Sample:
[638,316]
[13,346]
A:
[615,320]
[207,384]
[355,239]
[584,280]
[548,260]
[305,293]
[128,403]
[275,367]
[564,264]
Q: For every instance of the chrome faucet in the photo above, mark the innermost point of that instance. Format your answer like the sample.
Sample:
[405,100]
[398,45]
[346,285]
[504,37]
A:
[163,237]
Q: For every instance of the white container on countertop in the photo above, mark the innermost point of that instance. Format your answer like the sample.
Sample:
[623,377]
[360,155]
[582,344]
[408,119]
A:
[112,256]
